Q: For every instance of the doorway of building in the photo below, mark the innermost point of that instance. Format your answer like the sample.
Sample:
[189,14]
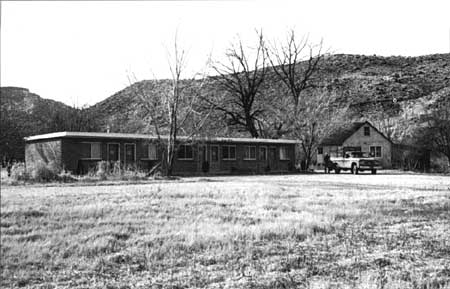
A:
[130,155]
[272,158]
[203,158]
[214,158]
[113,152]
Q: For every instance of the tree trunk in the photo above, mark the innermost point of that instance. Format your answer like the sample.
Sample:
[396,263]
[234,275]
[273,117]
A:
[251,126]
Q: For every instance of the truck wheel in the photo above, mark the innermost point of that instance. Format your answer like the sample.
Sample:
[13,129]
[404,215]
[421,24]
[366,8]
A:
[337,170]
[374,171]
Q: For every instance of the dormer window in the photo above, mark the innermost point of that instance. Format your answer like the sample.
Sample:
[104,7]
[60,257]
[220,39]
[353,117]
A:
[366,131]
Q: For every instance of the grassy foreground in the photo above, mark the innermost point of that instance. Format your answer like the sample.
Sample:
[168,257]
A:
[297,231]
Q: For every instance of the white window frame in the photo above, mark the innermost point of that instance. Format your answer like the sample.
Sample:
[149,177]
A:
[90,150]
[211,154]
[364,131]
[286,157]
[148,158]
[265,154]
[125,147]
[228,146]
[107,150]
[185,159]
[375,150]
[249,158]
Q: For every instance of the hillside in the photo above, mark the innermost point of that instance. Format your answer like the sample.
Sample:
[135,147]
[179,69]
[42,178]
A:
[391,85]
[392,92]
[24,113]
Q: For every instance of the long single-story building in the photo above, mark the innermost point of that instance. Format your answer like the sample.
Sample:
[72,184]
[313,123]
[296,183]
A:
[78,152]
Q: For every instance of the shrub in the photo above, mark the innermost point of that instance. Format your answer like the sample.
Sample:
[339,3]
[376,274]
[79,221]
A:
[205,166]
[66,177]
[102,170]
[117,169]
[132,175]
[19,172]
[43,172]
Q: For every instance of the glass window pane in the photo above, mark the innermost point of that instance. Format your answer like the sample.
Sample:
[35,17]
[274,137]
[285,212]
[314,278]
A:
[225,152]
[95,150]
[253,152]
[232,152]
[152,151]
[283,153]
[85,150]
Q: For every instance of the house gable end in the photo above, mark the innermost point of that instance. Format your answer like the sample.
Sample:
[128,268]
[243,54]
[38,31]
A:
[339,136]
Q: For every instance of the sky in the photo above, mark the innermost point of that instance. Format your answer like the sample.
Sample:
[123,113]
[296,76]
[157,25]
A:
[81,52]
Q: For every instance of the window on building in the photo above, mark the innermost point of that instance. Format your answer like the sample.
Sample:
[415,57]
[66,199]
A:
[320,150]
[262,153]
[95,150]
[367,130]
[214,153]
[90,150]
[250,153]
[152,152]
[375,151]
[284,153]
[228,152]
[185,152]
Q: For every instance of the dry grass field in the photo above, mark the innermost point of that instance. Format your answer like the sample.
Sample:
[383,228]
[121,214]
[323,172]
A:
[295,231]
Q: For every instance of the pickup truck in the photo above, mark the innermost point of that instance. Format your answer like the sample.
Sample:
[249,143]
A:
[355,162]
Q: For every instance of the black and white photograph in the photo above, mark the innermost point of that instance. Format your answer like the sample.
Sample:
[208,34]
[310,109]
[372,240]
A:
[225,144]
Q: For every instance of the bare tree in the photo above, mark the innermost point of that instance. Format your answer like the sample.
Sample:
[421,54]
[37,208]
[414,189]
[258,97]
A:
[439,126]
[317,116]
[242,78]
[173,111]
[294,63]
[292,67]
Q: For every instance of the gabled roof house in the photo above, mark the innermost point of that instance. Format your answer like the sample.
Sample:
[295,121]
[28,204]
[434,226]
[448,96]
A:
[357,136]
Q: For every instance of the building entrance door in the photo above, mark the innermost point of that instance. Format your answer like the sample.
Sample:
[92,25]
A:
[214,158]
[273,158]
[130,155]
[203,158]
[113,152]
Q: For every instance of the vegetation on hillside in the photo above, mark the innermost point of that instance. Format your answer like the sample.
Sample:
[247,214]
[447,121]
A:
[24,114]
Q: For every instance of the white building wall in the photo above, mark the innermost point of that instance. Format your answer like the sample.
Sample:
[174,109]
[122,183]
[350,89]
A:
[375,139]
[358,139]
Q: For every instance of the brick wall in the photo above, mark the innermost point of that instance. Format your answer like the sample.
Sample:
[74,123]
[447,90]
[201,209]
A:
[72,154]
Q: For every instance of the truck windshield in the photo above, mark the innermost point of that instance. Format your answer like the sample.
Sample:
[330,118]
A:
[360,155]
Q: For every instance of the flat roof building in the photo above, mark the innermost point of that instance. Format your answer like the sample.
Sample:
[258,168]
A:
[79,152]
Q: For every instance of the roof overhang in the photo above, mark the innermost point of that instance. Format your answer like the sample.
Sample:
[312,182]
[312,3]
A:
[104,135]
